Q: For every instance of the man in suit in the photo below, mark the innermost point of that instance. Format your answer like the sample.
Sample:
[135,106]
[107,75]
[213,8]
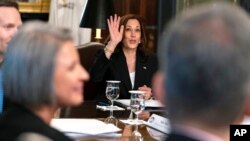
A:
[205,63]
[10,21]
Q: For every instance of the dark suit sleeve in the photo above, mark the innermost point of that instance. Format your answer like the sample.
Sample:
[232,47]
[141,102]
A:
[99,67]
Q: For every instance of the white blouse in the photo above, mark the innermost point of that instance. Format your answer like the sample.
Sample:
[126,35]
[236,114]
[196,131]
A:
[132,78]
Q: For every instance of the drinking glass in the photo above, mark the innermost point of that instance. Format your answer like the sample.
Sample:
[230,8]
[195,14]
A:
[136,137]
[112,93]
[137,105]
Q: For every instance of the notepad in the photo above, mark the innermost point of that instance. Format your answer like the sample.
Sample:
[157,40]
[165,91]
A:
[83,126]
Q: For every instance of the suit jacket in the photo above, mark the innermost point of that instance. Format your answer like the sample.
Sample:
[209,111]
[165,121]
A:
[179,137]
[1,92]
[116,68]
[17,120]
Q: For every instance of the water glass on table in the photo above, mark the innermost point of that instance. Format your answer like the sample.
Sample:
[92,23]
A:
[137,105]
[112,93]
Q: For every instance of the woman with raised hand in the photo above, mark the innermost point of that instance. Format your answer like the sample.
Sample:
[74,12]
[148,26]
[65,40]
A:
[125,58]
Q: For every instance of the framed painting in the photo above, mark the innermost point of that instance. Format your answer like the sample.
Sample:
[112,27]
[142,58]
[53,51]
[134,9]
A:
[34,6]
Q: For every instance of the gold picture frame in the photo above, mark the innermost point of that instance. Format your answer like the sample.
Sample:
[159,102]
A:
[182,5]
[39,6]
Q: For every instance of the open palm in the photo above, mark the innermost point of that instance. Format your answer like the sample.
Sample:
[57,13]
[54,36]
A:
[115,34]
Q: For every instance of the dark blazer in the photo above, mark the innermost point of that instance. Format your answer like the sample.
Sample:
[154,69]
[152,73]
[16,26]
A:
[17,120]
[116,68]
[179,137]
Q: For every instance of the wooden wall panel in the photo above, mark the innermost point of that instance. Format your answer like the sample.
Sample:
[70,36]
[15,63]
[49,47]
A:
[147,10]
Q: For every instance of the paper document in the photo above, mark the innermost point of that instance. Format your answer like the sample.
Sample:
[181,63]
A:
[108,108]
[148,103]
[133,122]
[153,103]
[83,126]
[81,136]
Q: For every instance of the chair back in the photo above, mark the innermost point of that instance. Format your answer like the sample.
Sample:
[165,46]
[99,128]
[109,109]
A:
[87,54]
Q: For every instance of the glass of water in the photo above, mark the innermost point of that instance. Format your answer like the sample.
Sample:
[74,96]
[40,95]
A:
[112,93]
[137,105]
[137,102]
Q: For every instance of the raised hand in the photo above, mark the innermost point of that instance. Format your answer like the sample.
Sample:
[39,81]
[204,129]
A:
[115,34]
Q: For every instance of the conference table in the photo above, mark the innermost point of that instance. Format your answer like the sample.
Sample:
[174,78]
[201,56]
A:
[88,110]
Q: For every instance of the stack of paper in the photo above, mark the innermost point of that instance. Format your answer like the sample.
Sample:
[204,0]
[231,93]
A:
[83,127]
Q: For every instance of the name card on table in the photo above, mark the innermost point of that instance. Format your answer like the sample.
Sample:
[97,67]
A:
[160,123]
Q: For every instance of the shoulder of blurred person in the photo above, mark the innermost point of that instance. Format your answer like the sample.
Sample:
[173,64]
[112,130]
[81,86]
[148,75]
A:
[204,59]
[29,136]
[21,124]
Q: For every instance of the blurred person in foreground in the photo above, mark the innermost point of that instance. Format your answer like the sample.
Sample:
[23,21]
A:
[10,21]
[41,73]
[205,71]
